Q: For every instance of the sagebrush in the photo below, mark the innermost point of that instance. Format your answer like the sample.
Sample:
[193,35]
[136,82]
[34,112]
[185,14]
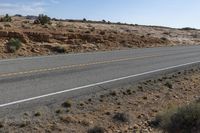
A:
[184,119]
[14,44]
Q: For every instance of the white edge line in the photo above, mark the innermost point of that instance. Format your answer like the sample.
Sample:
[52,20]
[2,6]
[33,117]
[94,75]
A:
[94,84]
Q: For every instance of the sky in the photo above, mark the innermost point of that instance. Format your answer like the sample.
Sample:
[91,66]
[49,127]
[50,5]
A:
[172,13]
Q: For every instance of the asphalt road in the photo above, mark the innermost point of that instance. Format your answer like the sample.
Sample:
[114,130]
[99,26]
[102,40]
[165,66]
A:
[43,80]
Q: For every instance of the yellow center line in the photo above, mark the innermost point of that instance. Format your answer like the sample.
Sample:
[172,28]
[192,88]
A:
[74,66]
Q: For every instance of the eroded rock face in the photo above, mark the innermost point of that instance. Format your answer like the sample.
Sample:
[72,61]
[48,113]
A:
[123,40]
[38,36]
[25,37]
[14,34]
[45,41]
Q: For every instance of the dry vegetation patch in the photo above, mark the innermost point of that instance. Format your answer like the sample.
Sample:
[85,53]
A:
[185,119]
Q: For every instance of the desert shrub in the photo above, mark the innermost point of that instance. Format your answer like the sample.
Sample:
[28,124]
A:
[128,91]
[88,32]
[1,125]
[188,28]
[42,19]
[109,22]
[58,111]
[163,38]
[37,114]
[18,15]
[67,104]
[37,21]
[55,19]
[113,93]
[169,84]
[121,117]
[59,49]
[6,18]
[180,120]
[84,20]
[96,129]
[14,45]
[104,21]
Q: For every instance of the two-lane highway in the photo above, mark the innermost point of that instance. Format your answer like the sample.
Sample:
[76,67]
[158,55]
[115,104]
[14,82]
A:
[26,80]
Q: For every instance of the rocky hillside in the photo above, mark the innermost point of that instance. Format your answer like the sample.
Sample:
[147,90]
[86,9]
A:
[65,37]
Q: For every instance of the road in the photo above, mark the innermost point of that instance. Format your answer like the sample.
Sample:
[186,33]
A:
[43,80]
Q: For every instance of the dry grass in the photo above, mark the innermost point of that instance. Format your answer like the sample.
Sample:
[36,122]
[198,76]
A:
[184,119]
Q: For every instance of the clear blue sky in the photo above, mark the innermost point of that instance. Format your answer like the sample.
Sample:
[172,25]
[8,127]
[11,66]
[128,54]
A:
[174,13]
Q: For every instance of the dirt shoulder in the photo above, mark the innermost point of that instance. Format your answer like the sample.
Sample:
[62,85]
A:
[73,37]
[128,109]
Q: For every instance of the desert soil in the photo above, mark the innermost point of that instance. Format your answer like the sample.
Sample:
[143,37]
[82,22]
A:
[86,37]
[139,103]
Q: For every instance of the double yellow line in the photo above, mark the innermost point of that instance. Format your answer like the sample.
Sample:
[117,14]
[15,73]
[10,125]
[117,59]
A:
[74,66]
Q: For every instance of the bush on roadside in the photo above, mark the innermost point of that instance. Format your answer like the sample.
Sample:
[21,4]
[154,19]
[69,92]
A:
[169,85]
[1,125]
[96,129]
[121,117]
[180,120]
[13,45]
[42,19]
[67,104]
[37,114]
[164,39]
[6,18]
[59,49]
